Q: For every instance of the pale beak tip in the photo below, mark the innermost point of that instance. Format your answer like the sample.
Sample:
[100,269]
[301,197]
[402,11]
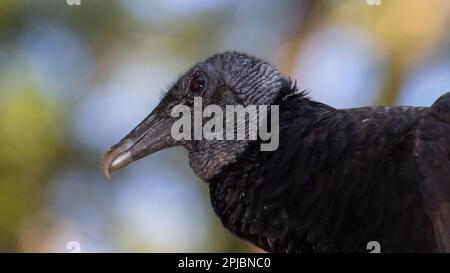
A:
[107,174]
[106,162]
[116,158]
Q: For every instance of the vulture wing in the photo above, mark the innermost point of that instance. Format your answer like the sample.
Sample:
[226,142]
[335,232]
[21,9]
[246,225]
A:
[432,153]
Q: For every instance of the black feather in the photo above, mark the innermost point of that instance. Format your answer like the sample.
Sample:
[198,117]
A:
[339,179]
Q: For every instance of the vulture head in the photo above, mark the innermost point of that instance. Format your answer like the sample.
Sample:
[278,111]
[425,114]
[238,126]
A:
[230,78]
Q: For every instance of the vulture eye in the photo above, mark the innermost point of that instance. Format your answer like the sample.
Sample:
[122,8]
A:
[197,83]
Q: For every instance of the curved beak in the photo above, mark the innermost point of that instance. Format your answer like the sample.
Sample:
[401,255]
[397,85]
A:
[151,135]
[117,157]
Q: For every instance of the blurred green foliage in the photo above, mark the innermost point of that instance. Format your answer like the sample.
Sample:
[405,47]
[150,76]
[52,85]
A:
[30,144]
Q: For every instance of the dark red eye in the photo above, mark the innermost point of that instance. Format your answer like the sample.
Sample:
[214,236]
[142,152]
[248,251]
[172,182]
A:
[197,83]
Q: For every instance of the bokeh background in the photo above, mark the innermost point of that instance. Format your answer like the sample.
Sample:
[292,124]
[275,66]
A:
[75,79]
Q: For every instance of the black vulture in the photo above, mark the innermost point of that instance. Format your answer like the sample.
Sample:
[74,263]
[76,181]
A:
[339,178]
